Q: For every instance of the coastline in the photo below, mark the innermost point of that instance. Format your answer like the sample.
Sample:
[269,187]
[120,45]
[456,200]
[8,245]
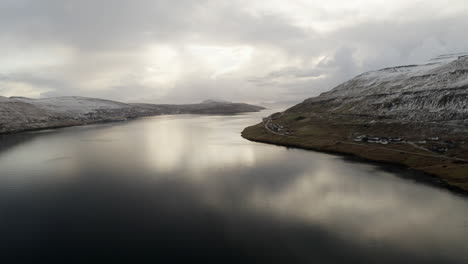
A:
[64,125]
[75,123]
[20,114]
[258,133]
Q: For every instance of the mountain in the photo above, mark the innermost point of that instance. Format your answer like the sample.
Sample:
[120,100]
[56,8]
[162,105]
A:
[415,115]
[436,91]
[208,107]
[20,113]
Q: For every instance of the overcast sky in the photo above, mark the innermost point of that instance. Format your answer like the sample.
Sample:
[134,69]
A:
[238,50]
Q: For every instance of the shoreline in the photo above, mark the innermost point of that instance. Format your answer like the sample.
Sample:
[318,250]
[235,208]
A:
[419,175]
[425,177]
[51,127]
[106,121]
[19,114]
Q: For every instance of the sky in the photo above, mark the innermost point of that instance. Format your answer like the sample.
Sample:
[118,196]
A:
[181,51]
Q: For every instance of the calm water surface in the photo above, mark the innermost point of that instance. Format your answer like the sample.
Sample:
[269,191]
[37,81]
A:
[189,188]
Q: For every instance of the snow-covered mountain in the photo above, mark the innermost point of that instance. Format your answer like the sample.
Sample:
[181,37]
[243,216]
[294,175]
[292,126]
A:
[435,91]
[72,104]
[20,113]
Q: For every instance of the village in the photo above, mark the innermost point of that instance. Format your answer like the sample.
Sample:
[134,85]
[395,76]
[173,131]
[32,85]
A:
[275,128]
[434,144]
[431,144]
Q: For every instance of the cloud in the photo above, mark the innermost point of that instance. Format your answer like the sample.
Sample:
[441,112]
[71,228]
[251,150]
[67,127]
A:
[185,51]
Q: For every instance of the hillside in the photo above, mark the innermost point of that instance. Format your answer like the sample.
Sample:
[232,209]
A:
[20,113]
[414,115]
[437,91]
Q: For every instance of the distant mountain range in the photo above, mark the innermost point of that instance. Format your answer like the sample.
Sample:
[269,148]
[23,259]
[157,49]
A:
[415,115]
[20,113]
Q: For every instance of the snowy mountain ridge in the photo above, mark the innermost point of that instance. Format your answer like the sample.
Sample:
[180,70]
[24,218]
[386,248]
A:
[21,113]
[73,104]
[434,91]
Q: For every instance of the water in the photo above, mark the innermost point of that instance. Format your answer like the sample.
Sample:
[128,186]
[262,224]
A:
[189,188]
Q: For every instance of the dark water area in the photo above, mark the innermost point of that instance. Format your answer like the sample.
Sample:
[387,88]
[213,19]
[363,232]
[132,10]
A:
[175,189]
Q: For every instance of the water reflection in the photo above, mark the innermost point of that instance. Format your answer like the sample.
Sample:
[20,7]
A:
[192,145]
[181,188]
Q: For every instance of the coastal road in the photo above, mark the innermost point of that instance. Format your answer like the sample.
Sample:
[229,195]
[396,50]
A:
[271,131]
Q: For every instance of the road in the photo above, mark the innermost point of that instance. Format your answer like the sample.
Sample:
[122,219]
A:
[271,131]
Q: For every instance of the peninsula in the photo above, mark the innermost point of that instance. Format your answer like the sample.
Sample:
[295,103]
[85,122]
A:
[415,115]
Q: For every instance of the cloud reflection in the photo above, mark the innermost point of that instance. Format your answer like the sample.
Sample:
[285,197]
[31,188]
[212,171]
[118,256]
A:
[160,175]
[183,143]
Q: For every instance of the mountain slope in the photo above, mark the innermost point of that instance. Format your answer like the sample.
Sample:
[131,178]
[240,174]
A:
[73,104]
[20,113]
[414,115]
[437,91]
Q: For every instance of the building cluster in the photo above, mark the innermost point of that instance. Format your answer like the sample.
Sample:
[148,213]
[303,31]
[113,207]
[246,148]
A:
[377,140]
[278,128]
[435,143]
